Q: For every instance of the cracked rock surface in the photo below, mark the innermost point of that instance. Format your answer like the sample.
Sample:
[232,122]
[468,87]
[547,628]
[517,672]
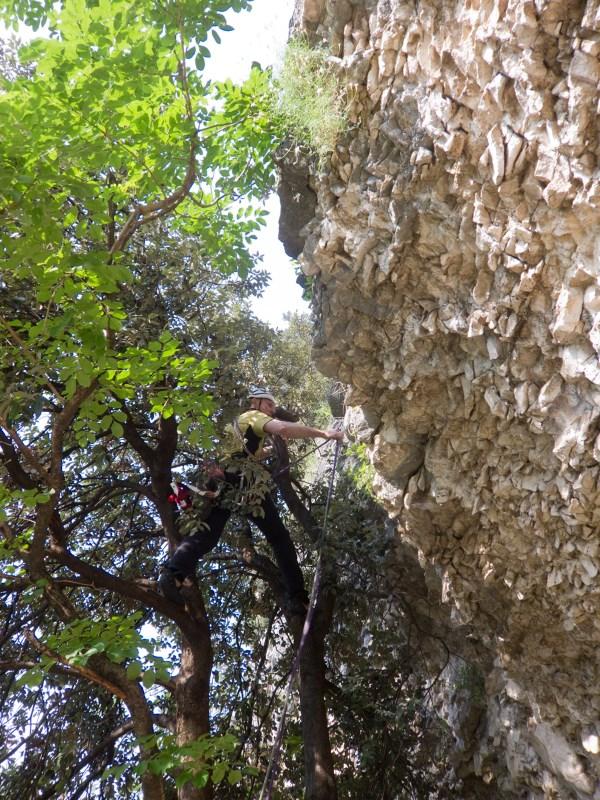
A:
[456,253]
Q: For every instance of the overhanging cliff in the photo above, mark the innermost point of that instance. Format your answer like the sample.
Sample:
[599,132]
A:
[456,255]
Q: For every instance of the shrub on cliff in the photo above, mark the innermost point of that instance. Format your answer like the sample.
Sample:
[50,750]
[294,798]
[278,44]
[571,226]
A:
[309,99]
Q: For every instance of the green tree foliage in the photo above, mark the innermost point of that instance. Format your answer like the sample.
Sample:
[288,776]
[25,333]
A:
[116,130]
[391,742]
[10,66]
[111,141]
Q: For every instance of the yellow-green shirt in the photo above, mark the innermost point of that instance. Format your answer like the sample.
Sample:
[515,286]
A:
[252,425]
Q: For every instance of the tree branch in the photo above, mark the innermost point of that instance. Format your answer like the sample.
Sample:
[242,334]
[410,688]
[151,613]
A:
[81,671]
[61,424]
[144,213]
[107,742]
[32,357]
[133,437]
[27,452]
[10,459]
[284,483]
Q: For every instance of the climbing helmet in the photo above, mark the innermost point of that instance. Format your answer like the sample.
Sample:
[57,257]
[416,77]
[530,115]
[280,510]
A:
[260,394]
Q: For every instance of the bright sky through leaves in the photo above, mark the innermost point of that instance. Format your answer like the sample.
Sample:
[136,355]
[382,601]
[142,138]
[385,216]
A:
[260,35]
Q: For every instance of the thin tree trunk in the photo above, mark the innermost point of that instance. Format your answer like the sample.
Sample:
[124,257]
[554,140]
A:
[318,760]
[143,725]
[192,701]
[192,684]
[319,776]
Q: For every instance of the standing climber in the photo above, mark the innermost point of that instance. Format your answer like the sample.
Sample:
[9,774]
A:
[253,426]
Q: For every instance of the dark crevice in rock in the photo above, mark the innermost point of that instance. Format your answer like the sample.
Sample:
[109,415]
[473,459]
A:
[298,200]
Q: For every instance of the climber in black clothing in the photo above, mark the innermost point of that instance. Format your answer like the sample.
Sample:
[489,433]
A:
[253,426]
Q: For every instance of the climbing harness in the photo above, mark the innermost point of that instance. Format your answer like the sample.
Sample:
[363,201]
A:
[182,492]
[268,783]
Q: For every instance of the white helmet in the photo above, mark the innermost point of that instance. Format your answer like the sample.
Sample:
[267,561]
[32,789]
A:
[260,394]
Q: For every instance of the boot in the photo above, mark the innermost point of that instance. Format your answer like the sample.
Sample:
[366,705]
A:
[297,604]
[169,585]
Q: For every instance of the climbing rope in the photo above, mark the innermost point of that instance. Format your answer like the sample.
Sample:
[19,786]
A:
[295,461]
[268,783]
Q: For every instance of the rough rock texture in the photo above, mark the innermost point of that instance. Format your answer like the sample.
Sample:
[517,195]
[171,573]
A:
[456,251]
[296,196]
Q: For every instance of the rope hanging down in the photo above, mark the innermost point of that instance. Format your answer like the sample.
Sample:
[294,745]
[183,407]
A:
[267,787]
[295,461]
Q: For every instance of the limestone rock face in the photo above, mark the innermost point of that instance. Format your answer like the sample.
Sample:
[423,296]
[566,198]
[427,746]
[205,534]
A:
[456,251]
[296,196]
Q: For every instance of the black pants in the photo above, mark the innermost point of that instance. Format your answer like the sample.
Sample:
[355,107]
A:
[193,547]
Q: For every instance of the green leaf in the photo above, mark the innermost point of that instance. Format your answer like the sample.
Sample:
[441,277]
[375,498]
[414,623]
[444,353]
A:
[200,779]
[114,772]
[185,776]
[84,378]
[162,762]
[70,217]
[117,429]
[134,670]
[234,776]
[149,678]
[32,678]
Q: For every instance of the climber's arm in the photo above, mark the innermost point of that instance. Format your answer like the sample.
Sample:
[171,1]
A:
[295,430]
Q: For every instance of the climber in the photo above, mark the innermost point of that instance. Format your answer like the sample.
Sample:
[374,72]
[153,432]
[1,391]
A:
[253,426]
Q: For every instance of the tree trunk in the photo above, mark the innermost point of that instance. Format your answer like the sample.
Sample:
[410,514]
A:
[192,688]
[143,726]
[318,760]
[319,776]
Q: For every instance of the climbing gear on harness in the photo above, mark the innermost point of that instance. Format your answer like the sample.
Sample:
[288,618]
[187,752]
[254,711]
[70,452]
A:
[267,787]
[240,434]
[181,496]
[182,492]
